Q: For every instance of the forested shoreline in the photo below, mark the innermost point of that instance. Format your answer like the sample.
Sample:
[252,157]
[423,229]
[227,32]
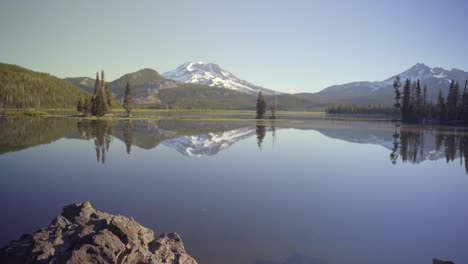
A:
[414,106]
[411,105]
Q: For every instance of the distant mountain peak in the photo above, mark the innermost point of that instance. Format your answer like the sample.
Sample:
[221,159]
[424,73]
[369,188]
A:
[423,72]
[381,92]
[212,74]
[141,77]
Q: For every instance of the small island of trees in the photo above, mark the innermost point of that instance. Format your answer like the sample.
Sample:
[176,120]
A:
[100,104]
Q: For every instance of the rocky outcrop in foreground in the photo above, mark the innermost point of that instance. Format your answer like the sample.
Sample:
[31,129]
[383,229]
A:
[82,234]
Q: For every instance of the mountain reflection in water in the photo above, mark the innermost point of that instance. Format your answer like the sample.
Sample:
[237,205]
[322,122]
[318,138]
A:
[406,144]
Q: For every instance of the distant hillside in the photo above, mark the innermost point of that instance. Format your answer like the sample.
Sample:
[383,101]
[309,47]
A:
[141,77]
[145,85]
[84,83]
[23,88]
[193,96]
[151,90]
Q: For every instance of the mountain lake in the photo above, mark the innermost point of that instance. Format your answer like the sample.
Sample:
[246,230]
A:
[291,191]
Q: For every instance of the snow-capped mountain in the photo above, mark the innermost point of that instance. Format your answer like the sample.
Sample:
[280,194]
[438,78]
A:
[208,144]
[212,75]
[436,76]
[380,92]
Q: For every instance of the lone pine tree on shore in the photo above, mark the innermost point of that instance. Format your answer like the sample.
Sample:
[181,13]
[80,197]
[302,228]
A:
[127,102]
[406,108]
[261,106]
[396,87]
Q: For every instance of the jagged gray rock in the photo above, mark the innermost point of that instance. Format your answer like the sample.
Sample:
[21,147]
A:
[82,234]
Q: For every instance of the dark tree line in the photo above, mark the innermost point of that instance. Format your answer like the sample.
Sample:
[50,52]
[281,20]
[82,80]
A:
[100,104]
[415,107]
[353,109]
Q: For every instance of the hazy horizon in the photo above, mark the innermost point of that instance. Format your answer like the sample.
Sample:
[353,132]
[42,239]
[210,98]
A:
[295,46]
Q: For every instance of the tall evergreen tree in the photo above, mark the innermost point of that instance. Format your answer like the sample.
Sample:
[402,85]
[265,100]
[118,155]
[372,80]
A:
[406,101]
[425,103]
[396,87]
[97,85]
[418,101]
[103,80]
[127,103]
[261,106]
[464,105]
[452,101]
[101,104]
[441,108]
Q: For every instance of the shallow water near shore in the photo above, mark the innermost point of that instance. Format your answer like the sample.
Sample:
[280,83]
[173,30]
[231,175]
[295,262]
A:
[241,191]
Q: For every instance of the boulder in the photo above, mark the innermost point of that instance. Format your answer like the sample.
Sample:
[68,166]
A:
[82,234]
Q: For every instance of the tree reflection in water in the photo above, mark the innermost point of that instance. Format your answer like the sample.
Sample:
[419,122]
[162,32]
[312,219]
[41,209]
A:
[410,144]
[260,131]
[101,132]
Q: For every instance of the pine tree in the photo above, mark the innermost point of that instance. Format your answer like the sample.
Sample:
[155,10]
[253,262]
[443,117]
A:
[397,86]
[127,103]
[418,102]
[452,101]
[261,106]
[103,80]
[464,105]
[97,84]
[425,106]
[100,102]
[441,108]
[406,101]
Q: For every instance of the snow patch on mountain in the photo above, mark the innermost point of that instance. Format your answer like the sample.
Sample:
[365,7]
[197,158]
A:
[211,74]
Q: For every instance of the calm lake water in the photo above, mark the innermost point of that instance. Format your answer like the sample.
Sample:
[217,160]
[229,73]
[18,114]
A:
[286,192]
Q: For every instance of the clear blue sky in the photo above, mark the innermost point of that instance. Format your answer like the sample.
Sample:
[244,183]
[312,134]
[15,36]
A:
[291,46]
